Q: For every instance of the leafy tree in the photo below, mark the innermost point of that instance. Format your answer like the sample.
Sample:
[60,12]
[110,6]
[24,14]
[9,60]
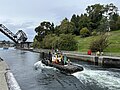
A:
[84,32]
[75,19]
[112,15]
[52,28]
[43,29]
[63,42]
[113,23]
[98,13]
[104,26]
[94,33]
[95,13]
[57,31]
[36,44]
[65,27]
[118,23]
[84,22]
[50,41]
[67,42]
[99,44]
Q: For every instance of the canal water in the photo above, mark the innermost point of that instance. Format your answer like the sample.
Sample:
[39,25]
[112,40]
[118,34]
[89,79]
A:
[93,77]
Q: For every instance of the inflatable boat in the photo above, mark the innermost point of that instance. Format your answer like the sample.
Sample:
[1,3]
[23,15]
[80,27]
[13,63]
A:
[68,68]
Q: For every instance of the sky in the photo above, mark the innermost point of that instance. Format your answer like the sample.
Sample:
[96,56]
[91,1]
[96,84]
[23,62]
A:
[27,14]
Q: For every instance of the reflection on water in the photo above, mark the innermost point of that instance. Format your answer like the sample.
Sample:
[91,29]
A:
[47,78]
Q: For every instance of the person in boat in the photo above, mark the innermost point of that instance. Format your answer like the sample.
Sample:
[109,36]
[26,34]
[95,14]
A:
[65,59]
[68,62]
[50,57]
[54,58]
[57,58]
[61,58]
[57,61]
[43,55]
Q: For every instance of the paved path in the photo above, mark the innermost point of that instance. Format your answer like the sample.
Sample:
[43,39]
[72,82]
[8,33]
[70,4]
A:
[3,83]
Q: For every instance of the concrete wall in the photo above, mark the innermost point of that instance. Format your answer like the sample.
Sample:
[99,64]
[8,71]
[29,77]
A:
[108,61]
[7,80]
[105,61]
[3,83]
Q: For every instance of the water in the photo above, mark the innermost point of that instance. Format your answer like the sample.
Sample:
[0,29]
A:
[45,78]
[107,78]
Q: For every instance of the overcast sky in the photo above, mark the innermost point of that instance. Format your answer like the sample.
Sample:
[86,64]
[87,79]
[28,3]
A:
[27,14]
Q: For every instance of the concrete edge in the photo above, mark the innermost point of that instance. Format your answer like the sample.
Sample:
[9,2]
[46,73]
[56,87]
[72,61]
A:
[11,81]
[9,77]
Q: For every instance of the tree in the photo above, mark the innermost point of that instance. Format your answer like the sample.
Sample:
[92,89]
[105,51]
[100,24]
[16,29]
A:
[50,41]
[99,12]
[65,27]
[36,44]
[75,19]
[118,23]
[112,15]
[104,26]
[95,13]
[43,29]
[57,31]
[84,22]
[99,44]
[67,42]
[113,22]
[84,32]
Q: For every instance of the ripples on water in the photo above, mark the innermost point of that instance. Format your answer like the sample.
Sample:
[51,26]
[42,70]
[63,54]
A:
[47,78]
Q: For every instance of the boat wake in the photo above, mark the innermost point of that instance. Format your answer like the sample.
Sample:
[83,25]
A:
[105,79]
[40,65]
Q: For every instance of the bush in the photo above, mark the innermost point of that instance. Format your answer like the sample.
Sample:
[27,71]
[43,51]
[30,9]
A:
[84,32]
[67,42]
[50,41]
[99,44]
[94,33]
[36,44]
[63,42]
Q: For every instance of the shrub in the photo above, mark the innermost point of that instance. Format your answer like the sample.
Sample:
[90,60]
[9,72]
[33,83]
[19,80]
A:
[36,44]
[99,44]
[50,41]
[84,32]
[63,42]
[67,42]
[94,33]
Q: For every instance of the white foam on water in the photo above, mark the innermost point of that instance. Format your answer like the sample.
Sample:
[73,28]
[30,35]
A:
[100,77]
[40,65]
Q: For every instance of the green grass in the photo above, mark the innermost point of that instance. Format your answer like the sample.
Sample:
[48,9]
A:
[114,40]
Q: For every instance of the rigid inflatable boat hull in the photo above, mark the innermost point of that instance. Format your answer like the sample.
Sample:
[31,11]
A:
[64,68]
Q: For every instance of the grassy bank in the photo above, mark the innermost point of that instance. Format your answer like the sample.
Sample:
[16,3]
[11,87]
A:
[114,39]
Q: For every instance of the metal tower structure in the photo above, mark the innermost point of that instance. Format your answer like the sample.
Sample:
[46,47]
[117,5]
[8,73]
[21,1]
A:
[19,37]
